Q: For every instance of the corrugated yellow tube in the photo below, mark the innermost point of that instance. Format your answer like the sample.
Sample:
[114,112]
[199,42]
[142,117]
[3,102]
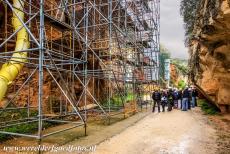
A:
[11,69]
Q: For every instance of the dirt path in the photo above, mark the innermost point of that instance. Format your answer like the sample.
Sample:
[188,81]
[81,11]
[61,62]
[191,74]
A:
[171,132]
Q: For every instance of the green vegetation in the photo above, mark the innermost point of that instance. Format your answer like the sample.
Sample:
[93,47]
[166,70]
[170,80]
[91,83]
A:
[15,115]
[208,108]
[130,97]
[188,10]
[181,65]
[181,84]
[116,100]
[27,128]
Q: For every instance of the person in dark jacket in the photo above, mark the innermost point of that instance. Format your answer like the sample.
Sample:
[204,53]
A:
[180,99]
[190,98]
[164,100]
[170,99]
[175,98]
[157,100]
[194,95]
[185,96]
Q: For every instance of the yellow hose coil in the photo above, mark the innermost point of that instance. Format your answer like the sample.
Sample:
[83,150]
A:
[11,69]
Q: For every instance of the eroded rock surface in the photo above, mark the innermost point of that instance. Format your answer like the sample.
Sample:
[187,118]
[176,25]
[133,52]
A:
[210,51]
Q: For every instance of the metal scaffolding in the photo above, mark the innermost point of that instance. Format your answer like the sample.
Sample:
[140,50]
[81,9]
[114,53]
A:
[83,55]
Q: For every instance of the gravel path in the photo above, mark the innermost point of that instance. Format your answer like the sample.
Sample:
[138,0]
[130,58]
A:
[165,133]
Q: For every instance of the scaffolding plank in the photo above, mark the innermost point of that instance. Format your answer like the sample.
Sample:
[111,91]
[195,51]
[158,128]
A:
[56,23]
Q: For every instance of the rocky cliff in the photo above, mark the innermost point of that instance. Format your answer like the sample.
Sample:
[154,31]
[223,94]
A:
[178,72]
[210,51]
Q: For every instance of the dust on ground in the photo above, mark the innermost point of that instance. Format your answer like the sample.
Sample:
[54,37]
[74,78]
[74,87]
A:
[171,132]
[222,126]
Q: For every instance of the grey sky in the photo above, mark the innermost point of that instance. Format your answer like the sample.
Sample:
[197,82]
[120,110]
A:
[172,31]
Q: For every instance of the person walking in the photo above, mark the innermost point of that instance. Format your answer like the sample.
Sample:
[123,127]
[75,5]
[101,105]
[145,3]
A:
[156,96]
[185,96]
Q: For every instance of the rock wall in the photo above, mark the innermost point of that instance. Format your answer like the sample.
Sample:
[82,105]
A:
[176,75]
[210,51]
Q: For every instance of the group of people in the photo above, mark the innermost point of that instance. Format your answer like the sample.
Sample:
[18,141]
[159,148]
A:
[173,98]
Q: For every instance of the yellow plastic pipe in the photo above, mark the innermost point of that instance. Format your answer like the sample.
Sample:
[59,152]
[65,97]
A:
[11,69]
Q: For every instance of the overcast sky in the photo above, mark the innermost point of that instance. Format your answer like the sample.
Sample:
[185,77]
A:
[172,31]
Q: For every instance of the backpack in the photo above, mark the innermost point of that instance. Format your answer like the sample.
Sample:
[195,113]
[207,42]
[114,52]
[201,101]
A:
[175,95]
[164,100]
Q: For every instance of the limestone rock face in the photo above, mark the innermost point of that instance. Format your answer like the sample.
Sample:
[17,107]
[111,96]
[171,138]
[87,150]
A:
[176,75]
[210,51]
